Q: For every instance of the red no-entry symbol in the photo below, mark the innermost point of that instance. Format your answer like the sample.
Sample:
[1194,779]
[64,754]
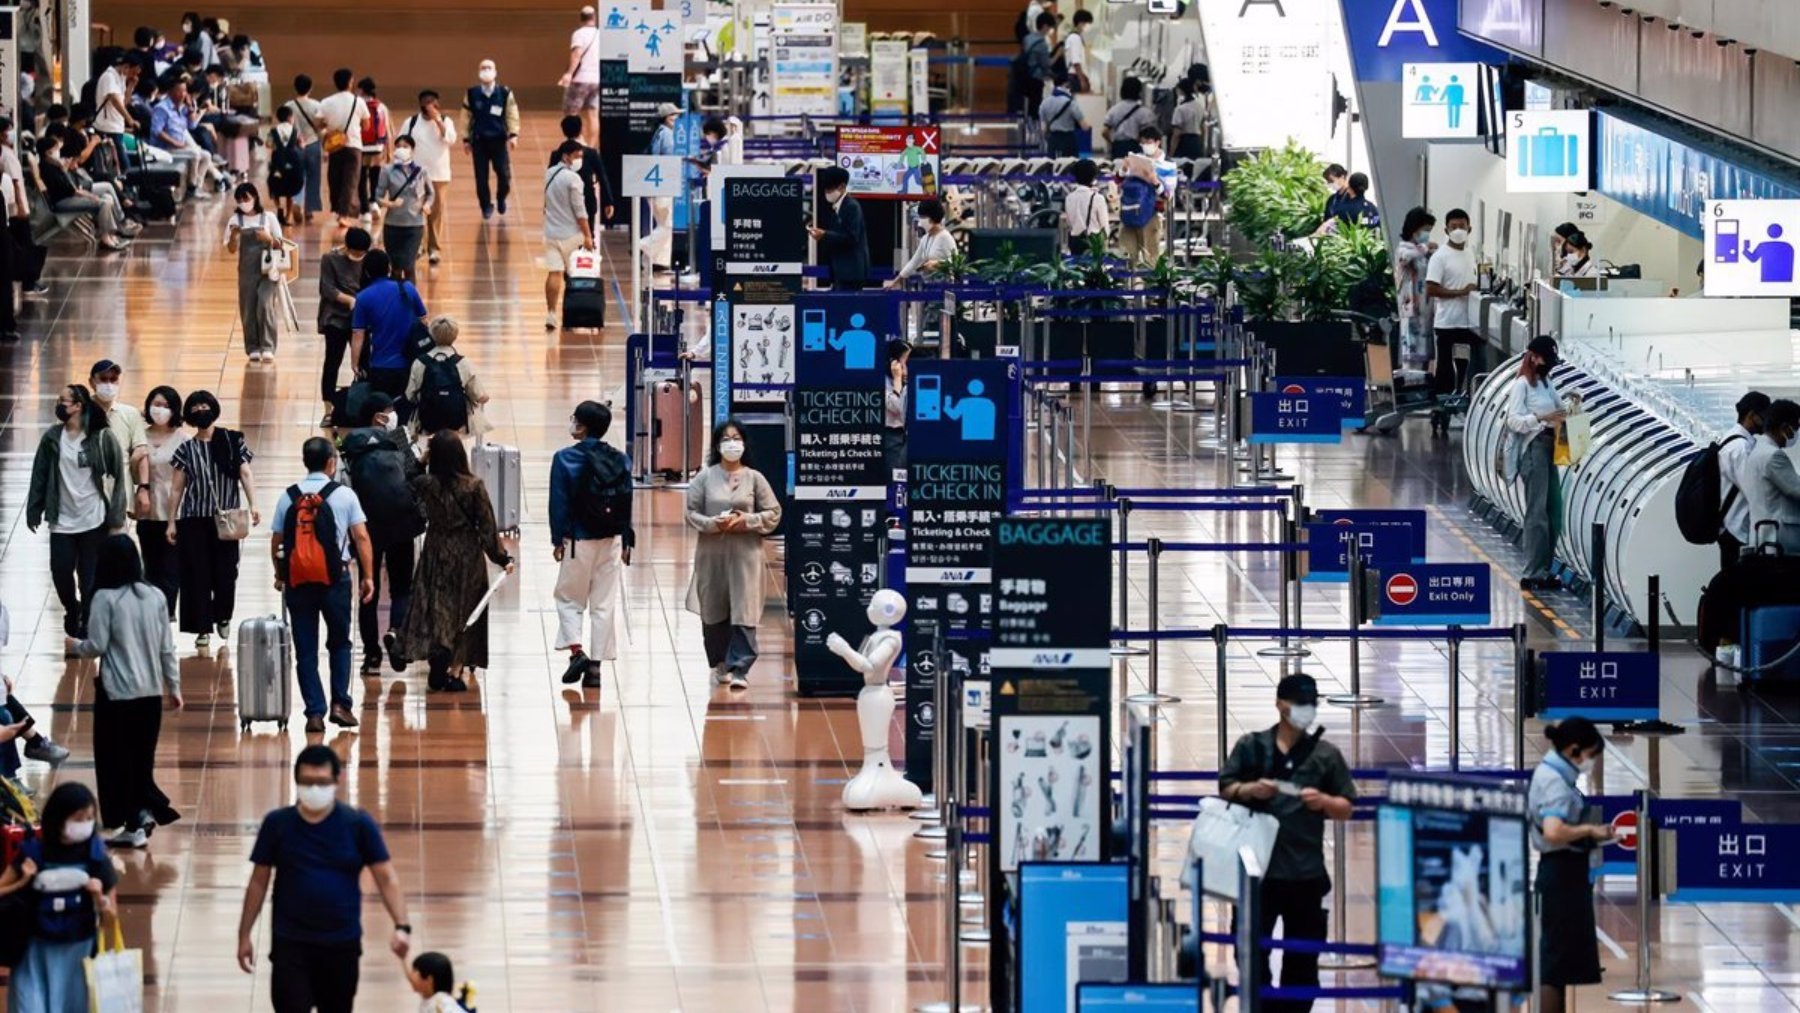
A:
[1293,388]
[1625,829]
[1402,589]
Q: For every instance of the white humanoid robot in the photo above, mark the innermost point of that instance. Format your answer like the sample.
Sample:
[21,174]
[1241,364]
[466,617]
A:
[878,785]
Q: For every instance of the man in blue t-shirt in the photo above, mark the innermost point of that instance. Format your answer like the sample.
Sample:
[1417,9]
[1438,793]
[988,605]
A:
[317,851]
[381,328]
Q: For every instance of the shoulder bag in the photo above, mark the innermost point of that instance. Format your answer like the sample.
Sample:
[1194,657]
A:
[333,139]
[232,524]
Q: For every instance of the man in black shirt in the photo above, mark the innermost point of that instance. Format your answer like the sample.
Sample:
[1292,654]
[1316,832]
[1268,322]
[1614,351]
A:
[594,185]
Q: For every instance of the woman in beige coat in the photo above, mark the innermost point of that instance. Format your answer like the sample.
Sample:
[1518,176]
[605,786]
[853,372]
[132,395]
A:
[732,507]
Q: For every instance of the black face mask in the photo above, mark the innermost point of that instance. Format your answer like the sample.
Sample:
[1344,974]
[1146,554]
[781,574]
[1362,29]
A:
[200,418]
[63,412]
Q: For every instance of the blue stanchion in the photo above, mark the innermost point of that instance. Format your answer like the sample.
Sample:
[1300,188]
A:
[1312,994]
[1145,377]
[1209,547]
[1117,312]
[1102,506]
[1370,633]
[1148,493]
[1045,365]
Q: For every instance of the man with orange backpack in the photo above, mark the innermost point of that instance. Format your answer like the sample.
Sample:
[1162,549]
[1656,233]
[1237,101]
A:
[316,522]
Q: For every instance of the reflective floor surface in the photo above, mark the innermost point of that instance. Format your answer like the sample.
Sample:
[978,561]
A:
[662,845]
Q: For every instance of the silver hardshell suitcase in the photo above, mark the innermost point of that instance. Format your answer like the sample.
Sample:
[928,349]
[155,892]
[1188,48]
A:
[498,467]
[265,672]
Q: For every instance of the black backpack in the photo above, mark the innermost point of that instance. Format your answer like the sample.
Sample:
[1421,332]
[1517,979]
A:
[603,499]
[443,404]
[379,475]
[1699,511]
[285,160]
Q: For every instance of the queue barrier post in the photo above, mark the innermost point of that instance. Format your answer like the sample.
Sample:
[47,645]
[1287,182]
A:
[1523,666]
[975,932]
[952,1002]
[1221,635]
[1249,920]
[1087,421]
[1290,576]
[1644,992]
[1340,908]
[947,751]
[1121,648]
[1597,577]
[1454,647]
[1356,698]
[931,807]
[1069,479]
[1155,697]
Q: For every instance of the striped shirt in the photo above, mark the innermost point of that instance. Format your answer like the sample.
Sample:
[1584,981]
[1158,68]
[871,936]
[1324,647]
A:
[209,490]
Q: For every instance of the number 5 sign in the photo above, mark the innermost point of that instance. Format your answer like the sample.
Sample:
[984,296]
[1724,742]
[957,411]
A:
[651,175]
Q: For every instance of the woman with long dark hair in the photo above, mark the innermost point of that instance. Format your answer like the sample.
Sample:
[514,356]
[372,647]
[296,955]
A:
[452,577]
[74,883]
[252,232]
[1412,255]
[1534,410]
[211,489]
[732,507]
[128,630]
[78,484]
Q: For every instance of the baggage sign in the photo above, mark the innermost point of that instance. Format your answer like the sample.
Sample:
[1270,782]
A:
[1436,594]
[1383,547]
[1295,418]
[1350,392]
[1601,685]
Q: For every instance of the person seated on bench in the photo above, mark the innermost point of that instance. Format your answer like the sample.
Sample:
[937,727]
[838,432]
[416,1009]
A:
[67,196]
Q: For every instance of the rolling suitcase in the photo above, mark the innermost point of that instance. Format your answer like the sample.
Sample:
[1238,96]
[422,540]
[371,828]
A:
[1771,634]
[666,410]
[498,467]
[265,672]
[584,300]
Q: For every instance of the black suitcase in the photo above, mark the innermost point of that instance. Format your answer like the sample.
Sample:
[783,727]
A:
[1763,578]
[584,305]
[156,192]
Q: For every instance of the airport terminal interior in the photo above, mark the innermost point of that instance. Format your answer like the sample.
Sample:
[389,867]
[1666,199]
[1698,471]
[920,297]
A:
[1056,509]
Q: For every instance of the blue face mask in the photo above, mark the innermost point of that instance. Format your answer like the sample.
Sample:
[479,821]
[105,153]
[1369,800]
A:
[1422,236]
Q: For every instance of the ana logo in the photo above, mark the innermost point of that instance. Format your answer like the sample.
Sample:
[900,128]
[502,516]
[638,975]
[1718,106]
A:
[955,576]
[764,268]
[1402,589]
[840,494]
[1419,25]
[1052,659]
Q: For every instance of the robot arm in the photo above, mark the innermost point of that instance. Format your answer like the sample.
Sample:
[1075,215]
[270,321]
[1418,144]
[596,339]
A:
[852,657]
[883,650]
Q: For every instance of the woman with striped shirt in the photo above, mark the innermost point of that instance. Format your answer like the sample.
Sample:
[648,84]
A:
[212,475]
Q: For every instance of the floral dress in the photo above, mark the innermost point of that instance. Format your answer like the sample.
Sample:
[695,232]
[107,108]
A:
[1410,261]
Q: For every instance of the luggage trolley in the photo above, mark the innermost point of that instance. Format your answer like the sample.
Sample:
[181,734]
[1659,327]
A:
[1393,395]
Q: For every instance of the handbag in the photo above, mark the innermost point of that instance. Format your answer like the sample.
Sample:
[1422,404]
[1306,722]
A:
[233,525]
[115,975]
[334,140]
[277,259]
[1219,834]
[242,95]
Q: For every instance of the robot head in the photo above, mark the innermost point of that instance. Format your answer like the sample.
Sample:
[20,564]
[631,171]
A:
[886,608]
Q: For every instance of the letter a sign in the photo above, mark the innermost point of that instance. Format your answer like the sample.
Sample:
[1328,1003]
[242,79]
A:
[1419,23]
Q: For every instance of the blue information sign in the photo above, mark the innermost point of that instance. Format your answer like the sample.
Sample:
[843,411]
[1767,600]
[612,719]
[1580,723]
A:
[1413,519]
[1435,594]
[1137,997]
[1384,547]
[1294,418]
[1748,862]
[1601,686]
[1350,391]
[1069,911]
[1620,811]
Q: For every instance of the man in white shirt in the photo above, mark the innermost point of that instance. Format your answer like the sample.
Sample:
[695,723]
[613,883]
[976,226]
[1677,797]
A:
[344,112]
[581,82]
[1772,485]
[111,93]
[1143,244]
[1450,280]
[1075,51]
[1085,213]
[434,136]
[1734,450]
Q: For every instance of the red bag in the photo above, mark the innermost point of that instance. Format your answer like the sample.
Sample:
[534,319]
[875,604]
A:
[375,125]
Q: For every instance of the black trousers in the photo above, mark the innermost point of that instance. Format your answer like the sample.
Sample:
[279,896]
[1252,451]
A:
[1451,371]
[342,172]
[28,256]
[491,152]
[368,182]
[396,555]
[312,976]
[1729,550]
[9,273]
[125,734]
[72,560]
[337,344]
[162,561]
[1299,906]
[209,573]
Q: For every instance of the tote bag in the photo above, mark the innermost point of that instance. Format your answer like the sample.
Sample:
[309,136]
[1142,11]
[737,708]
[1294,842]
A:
[115,975]
[1219,832]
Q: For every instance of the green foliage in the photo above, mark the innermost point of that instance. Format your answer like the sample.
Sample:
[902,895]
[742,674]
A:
[1276,194]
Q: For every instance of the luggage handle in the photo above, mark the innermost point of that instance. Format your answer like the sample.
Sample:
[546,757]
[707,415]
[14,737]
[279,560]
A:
[1770,546]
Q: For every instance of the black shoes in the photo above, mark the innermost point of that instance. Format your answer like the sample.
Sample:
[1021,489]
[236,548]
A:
[396,657]
[371,660]
[577,670]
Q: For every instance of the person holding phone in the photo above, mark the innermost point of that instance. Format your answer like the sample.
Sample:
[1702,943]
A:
[1534,411]
[732,507]
[1568,850]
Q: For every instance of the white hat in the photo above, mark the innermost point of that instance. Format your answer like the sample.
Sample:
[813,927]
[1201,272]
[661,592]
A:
[666,110]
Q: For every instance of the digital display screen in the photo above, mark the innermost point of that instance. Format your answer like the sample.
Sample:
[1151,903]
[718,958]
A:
[1071,929]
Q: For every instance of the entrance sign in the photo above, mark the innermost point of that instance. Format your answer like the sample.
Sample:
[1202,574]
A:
[1439,101]
[1750,247]
[1549,152]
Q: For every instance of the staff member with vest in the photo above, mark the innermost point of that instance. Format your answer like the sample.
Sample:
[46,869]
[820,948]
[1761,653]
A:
[315,523]
[1291,772]
[590,525]
[1568,953]
[490,130]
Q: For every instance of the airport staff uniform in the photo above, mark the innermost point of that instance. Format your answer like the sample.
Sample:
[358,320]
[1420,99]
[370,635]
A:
[1568,953]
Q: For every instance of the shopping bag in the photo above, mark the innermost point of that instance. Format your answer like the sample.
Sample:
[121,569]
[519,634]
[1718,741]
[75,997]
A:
[115,975]
[584,264]
[1578,431]
[1219,832]
[1560,456]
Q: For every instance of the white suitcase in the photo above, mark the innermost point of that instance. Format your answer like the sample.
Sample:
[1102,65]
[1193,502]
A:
[498,467]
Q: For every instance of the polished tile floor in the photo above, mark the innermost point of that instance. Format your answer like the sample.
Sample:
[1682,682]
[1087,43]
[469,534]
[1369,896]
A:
[661,845]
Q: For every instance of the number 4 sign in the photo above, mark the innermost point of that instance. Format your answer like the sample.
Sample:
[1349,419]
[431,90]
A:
[651,175]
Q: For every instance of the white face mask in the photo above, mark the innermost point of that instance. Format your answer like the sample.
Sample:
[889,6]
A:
[402,155]
[1587,766]
[1152,150]
[316,798]
[487,75]
[1459,236]
[77,831]
[1302,715]
[160,415]
[246,206]
[732,450]
[107,391]
[575,429]
[1422,237]
[392,421]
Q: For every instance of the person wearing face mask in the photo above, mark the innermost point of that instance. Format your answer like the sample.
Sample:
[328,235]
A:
[1734,449]
[1451,282]
[250,233]
[78,485]
[66,864]
[25,255]
[212,477]
[1337,180]
[1533,413]
[316,850]
[1771,483]
[343,112]
[590,525]
[405,194]
[433,134]
[566,226]
[490,131]
[340,278]
[1578,258]
[1291,772]
[1143,244]
[381,466]
[1569,851]
[1085,215]
[162,438]
[658,245]
[841,234]
[128,630]
[732,507]
[1412,255]
[127,427]
[1559,239]
[936,244]
[461,538]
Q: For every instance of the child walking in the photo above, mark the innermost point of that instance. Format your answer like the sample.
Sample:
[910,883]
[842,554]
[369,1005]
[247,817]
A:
[432,977]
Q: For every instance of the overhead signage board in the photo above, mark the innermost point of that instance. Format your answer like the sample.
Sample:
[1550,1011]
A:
[1351,392]
[1550,151]
[890,162]
[1387,36]
[803,59]
[1672,180]
[1436,594]
[1751,862]
[655,44]
[1601,685]
[1750,247]
[757,276]
[651,175]
[1271,71]
[1414,521]
[1439,101]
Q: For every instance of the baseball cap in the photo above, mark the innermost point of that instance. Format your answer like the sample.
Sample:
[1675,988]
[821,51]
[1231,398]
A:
[667,109]
[1545,346]
[1297,688]
[105,366]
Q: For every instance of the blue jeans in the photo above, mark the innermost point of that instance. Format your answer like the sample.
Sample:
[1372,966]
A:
[306,605]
